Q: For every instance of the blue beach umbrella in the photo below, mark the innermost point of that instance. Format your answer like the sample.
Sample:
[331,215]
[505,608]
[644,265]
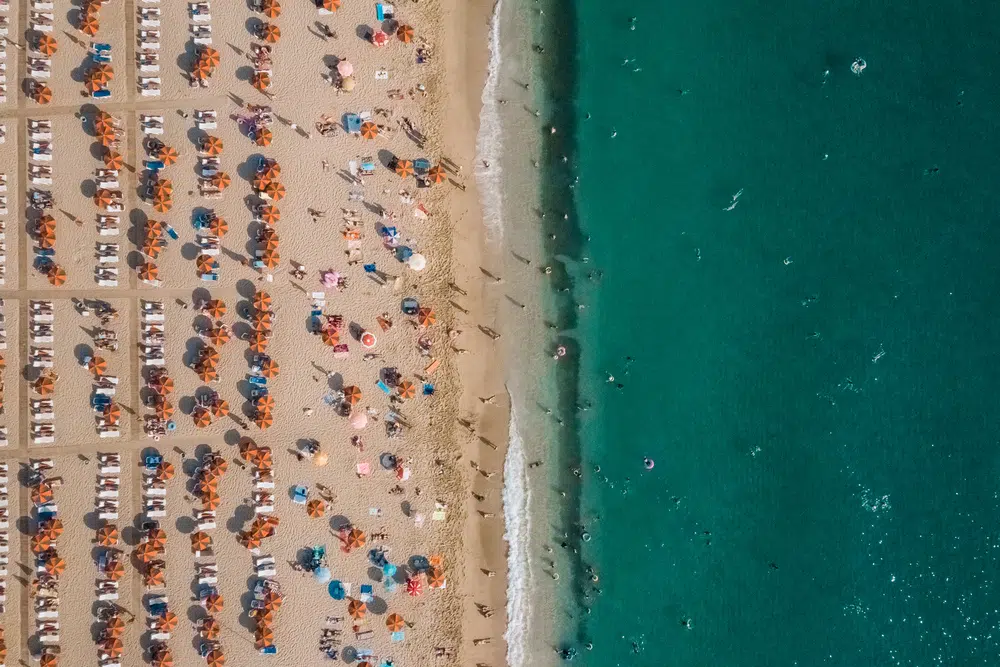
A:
[336,590]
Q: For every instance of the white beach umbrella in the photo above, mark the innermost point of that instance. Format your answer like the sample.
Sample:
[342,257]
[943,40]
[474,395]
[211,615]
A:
[417,262]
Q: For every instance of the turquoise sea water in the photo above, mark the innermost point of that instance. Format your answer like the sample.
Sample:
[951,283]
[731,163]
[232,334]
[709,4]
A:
[815,370]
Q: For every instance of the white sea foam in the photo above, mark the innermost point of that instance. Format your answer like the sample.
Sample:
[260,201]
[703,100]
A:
[516,512]
[490,138]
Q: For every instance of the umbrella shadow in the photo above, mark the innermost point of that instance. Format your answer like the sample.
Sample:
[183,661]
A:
[244,73]
[231,437]
[375,574]
[335,381]
[364,32]
[254,26]
[339,522]
[192,350]
[247,169]
[386,158]
[185,525]
[190,251]
[92,521]
[82,352]
[241,516]
[246,289]
[186,405]
[378,606]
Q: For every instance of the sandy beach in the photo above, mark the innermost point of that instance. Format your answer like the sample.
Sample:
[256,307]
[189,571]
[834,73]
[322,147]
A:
[423,507]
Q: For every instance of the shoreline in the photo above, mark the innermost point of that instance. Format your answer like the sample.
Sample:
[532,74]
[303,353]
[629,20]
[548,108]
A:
[481,371]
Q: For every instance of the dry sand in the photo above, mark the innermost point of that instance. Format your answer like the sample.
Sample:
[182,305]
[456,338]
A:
[435,448]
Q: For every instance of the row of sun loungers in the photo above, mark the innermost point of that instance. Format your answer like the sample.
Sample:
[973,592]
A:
[41,323]
[4,536]
[48,565]
[148,54]
[152,354]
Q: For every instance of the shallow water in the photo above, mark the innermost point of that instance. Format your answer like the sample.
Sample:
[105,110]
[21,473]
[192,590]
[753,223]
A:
[813,368]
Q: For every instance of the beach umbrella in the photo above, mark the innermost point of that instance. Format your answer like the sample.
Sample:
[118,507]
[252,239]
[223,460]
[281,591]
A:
[359,420]
[426,317]
[115,626]
[163,187]
[219,336]
[262,301]
[44,386]
[394,622]
[107,536]
[164,659]
[263,458]
[107,136]
[47,241]
[154,578]
[49,660]
[263,137]
[355,539]
[221,180]
[56,275]
[271,9]
[165,470]
[93,84]
[200,541]
[201,71]
[163,386]
[205,264]
[113,647]
[272,600]
[168,155]
[369,130]
[356,608]
[90,26]
[103,198]
[211,145]
[331,337]
[251,541]
[261,80]
[379,38]
[213,602]
[220,408]
[154,228]
[112,413]
[41,493]
[260,182]
[209,356]
[210,56]
[347,84]
[437,174]
[214,308]
[265,403]
[103,70]
[262,616]
[40,543]
[210,628]
[162,205]
[264,635]
[97,366]
[417,262]
[404,168]
[46,45]
[315,508]
[211,501]
[413,587]
[148,272]
[248,448]
[275,191]
[435,579]
[104,122]
[262,320]
[152,248]
[404,33]
[164,410]
[264,420]
[156,538]
[168,622]
[259,341]
[345,68]
[331,5]
[270,33]
[352,394]
[45,225]
[269,368]
[202,417]
[55,565]
[216,658]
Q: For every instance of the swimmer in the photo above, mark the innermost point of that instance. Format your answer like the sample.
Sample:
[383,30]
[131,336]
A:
[587,117]
[614,133]
[552,130]
[787,261]
[736,200]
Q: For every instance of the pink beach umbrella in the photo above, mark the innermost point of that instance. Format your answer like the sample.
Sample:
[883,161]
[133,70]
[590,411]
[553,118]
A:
[329,278]
[345,68]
